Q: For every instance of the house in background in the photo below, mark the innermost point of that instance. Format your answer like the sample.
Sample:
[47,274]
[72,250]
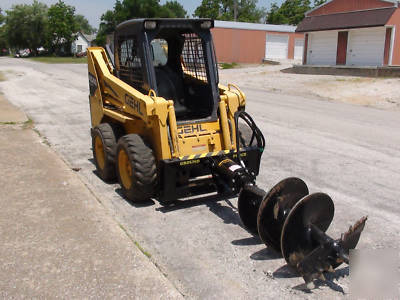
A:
[82,42]
[352,33]
[252,43]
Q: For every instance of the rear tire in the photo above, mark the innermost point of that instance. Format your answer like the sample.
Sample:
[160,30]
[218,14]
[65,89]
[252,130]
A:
[104,145]
[136,168]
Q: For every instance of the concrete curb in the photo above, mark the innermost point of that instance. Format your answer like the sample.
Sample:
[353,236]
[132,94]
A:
[57,240]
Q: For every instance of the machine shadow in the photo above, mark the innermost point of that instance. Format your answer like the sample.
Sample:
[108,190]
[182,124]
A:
[147,203]
[228,213]
[285,271]
[332,277]
[265,254]
[249,241]
[288,272]
[95,172]
[119,190]
[188,203]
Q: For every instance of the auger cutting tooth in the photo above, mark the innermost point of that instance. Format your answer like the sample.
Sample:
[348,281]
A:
[350,238]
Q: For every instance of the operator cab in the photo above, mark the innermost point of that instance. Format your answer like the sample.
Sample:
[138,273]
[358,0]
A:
[175,58]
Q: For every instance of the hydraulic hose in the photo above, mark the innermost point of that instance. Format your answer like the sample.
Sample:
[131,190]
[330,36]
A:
[256,134]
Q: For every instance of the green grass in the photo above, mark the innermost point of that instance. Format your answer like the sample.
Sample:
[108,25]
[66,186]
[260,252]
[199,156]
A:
[229,65]
[142,250]
[356,80]
[135,242]
[28,124]
[60,60]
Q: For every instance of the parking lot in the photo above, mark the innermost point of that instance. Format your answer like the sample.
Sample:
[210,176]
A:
[347,148]
[377,92]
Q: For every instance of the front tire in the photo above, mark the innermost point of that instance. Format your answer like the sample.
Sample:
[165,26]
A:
[136,168]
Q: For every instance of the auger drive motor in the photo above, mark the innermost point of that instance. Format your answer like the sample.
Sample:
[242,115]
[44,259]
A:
[164,126]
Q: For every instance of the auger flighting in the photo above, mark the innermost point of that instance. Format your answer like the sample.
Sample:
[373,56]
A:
[293,222]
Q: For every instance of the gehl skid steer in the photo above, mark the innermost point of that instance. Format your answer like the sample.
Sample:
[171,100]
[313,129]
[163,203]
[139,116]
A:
[164,126]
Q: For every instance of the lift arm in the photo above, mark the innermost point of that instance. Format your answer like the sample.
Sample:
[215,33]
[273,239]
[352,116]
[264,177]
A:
[119,94]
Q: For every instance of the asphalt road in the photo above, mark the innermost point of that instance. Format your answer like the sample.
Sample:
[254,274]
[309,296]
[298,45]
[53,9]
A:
[350,152]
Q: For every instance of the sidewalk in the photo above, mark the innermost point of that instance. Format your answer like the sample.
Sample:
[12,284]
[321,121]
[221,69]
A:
[56,240]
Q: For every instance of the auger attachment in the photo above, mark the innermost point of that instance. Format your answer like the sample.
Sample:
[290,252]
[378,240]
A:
[288,219]
[293,222]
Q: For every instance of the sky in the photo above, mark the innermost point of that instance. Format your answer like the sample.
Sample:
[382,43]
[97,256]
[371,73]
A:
[93,9]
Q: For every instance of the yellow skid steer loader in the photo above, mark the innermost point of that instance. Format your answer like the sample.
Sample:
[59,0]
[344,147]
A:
[164,126]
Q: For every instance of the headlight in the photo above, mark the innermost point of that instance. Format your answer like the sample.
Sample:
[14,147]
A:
[205,25]
[150,25]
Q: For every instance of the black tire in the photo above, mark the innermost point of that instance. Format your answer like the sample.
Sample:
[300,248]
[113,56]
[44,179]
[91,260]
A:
[143,170]
[108,134]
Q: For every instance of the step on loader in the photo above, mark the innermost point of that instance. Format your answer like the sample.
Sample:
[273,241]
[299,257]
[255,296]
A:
[164,126]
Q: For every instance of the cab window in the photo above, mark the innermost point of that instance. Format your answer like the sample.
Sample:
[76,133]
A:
[159,48]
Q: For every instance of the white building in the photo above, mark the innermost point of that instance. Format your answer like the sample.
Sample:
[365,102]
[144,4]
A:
[82,42]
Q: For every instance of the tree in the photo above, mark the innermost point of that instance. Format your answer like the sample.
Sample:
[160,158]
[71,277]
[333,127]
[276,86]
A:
[63,26]
[247,11]
[131,9]
[176,9]
[275,16]
[26,26]
[83,25]
[208,9]
[319,2]
[3,40]
[2,18]
[290,12]
[230,10]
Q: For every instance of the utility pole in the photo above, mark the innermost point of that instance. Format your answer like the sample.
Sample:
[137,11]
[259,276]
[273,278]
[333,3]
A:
[235,10]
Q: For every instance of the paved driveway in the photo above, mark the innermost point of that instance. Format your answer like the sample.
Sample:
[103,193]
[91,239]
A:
[349,152]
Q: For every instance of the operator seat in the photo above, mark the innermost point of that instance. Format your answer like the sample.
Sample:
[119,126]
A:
[170,87]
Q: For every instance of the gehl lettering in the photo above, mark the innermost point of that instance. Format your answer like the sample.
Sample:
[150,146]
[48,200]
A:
[188,129]
[133,103]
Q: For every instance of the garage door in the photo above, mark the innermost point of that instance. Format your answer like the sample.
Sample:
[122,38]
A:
[322,48]
[298,48]
[276,46]
[366,47]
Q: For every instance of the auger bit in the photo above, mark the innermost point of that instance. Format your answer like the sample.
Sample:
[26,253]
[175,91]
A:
[330,253]
[293,222]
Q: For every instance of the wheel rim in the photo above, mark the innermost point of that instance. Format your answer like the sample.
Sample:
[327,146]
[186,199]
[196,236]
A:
[99,150]
[125,169]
